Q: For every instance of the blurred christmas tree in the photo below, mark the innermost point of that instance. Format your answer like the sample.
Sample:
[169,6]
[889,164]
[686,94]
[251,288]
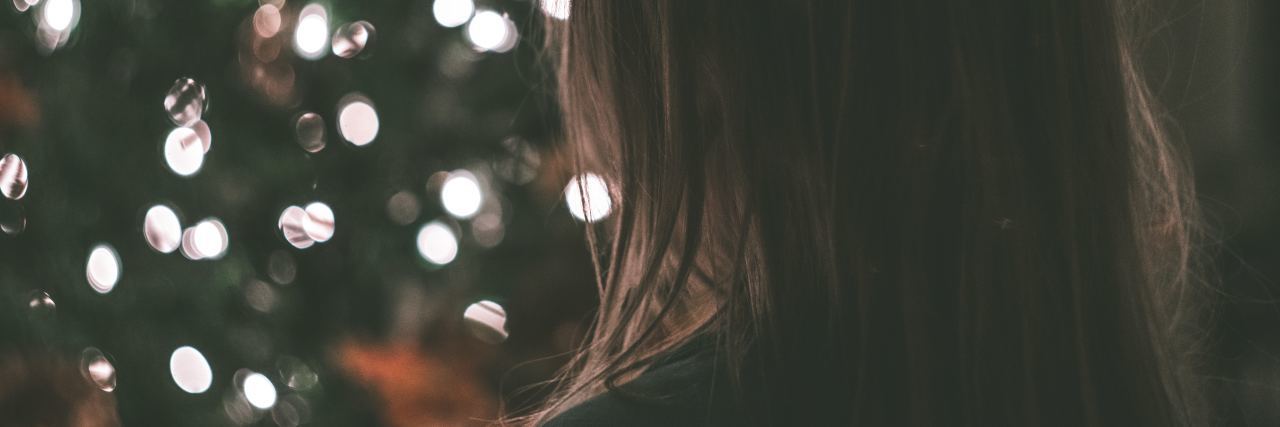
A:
[278,213]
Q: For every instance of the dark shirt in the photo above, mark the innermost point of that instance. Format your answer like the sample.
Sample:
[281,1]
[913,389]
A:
[681,389]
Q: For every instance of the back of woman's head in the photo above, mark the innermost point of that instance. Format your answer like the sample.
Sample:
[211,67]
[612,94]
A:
[908,212]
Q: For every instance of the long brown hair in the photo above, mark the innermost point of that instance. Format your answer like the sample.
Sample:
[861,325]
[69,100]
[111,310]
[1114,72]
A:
[886,212]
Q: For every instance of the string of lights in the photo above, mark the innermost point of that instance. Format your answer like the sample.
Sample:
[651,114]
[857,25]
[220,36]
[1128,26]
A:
[290,65]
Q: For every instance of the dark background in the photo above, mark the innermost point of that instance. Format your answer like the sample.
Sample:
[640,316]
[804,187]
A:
[1217,68]
[380,327]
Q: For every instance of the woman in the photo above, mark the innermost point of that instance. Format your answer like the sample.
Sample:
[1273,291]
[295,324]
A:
[908,212]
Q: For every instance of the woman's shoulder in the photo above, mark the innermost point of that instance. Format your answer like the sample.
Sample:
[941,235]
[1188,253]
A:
[682,392]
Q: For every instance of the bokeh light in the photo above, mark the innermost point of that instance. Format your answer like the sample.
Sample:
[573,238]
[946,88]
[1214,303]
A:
[487,229]
[291,224]
[23,5]
[296,374]
[162,229]
[237,408]
[186,101]
[309,127]
[188,247]
[587,196]
[461,195]
[266,21]
[40,300]
[259,391]
[437,243]
[403,208]
[41,309]
[281,267]
[183,151]
[490,31]
[487,321]
[204,134]
[58,14]
[558,9]
[452,13]
[312,33]
[13,219]
[260,296]
[357,120]
[318,223]
[103,268]
[352,39]
[55,20]
[13,176]
[190,370]
[303,227]
[96,368]
[457,112]
[291,411]
[209,239]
